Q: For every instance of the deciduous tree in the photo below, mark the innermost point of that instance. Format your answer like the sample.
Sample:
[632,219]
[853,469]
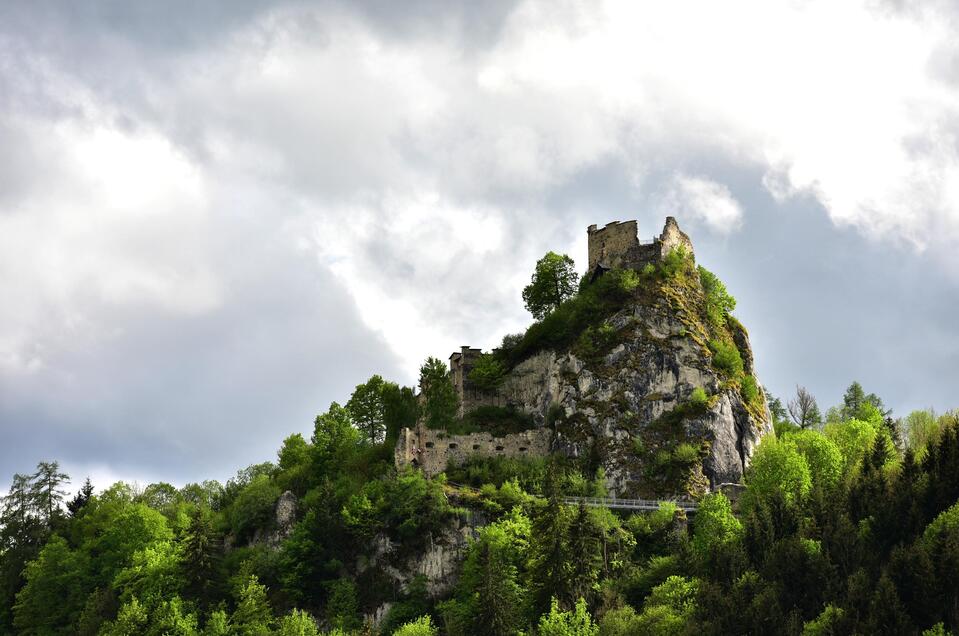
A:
[554,280]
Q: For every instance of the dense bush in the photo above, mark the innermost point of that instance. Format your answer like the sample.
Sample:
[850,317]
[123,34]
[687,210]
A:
[726,358]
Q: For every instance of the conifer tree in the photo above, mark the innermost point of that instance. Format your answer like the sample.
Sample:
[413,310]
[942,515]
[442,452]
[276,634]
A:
[498,594]
[46,492]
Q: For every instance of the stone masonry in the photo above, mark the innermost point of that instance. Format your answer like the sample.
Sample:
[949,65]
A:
[617,245]
[431,450]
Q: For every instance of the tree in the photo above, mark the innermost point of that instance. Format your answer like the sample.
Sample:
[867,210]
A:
[368,409]
[776,408]
[823,456]
[776,467]
[715,526]
[497,593]
[440,400]
[200,549]
[75,505]
[46,492]
[549,567]
[856,404]
[252,616]
[20,540]
[554,280]
[334,439]
[803,409]
[400,410]
[54,593]
[297,623]
[584,554]
[719,302]
[422,626]
[560,623]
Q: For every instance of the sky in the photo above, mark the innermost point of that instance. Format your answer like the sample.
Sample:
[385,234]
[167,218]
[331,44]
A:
[216,218]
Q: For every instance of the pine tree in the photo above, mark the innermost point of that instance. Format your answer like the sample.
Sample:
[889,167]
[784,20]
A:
[498,594]
[200,549]
[75,505]
[46,492]
[585,556]
[550,565]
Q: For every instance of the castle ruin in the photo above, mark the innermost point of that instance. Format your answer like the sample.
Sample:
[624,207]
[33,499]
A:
[617,246]
[614,246]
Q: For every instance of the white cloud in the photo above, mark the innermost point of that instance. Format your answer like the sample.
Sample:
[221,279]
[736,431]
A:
[703,200]
[426,171]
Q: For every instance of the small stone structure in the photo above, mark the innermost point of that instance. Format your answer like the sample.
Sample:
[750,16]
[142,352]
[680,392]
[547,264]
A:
[470,395]
[431,450]
[617,246]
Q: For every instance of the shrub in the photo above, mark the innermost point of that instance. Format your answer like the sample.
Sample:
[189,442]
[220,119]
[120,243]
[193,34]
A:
[698,397]
[719,303]
[498,420]
[564,325]
[686,454]
[676,263]
[422,626]
[726,358]
[750,390]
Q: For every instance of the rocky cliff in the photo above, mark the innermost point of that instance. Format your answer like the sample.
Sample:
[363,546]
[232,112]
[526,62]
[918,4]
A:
[657,403]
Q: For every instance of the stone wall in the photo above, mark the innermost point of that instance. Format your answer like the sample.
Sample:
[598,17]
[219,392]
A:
[672,237]
[431,450]
[617,245]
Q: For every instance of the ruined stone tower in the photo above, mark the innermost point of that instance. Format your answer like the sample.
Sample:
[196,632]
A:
[617,246]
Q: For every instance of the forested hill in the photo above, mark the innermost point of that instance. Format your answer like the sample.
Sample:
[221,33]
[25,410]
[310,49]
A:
[848,524]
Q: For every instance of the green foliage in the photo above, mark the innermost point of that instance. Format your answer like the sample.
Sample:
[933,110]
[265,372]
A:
[750,391]
[575,623]
[367,407]
[554,281]
[622,621]
[53,595]
[334,439]
[563,326]
[440,401]
[422,626]
[488,372]
[719,302]
[252,616]
[776,467]
[297,623]
[677,263]
[498,420]
[828,623]
[854,438]
[685,454]
[698,397]
[726,358]
[342,604]
[253,507]
[822,455]
[714,527]
[669,606]
[400,410]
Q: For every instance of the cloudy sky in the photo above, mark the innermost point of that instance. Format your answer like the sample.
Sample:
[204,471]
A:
[218,217]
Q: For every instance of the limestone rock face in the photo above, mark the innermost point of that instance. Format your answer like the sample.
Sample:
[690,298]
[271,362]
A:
[285,517]
[631,408]
[439,563]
